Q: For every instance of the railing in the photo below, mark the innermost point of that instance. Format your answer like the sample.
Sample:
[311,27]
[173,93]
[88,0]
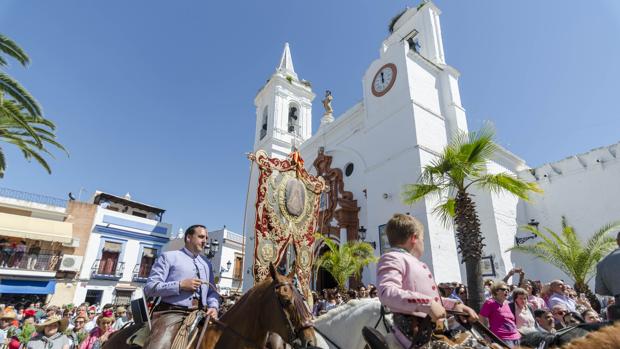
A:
[113,272]
[38,198]
[45,260]
[138,276]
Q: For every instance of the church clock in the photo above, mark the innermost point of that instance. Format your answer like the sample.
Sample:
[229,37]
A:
[384,80]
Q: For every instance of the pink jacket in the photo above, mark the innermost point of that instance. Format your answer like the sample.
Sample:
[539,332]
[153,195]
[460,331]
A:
[406,285]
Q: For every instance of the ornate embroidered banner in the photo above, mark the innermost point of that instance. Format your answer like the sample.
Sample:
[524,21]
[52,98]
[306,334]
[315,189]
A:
[287,205]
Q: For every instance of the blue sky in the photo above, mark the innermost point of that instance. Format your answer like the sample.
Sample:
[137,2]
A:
[155,98]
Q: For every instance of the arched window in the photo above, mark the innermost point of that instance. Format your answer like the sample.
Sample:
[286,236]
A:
[293,118]
[263,128]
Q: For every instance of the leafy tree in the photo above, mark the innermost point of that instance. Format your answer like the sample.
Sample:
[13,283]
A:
[21,120]
[345,260]
[568,253]
[449,179]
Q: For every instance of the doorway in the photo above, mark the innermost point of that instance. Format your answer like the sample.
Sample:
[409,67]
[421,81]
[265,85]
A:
[93,297]
[323,278]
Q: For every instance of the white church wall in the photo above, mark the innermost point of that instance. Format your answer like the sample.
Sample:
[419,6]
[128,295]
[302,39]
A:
[584,189]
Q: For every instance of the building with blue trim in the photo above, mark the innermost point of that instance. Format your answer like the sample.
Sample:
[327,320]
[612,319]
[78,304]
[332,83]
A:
[125,239]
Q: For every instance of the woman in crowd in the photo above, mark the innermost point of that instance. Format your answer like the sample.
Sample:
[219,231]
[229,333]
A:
[50,335]
[533,299]
[590,317]
[524,315]
[77,333]
[100,334]
[496,313]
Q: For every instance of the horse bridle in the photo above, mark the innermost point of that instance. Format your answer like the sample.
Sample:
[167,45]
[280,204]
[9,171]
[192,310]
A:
[293,334]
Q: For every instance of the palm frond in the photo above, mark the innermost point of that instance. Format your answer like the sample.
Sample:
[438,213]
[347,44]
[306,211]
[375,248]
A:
[506,182]
[13,50]
[23,97]
[413,193]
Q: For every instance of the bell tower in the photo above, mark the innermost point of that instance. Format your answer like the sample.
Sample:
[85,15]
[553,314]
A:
[283,110]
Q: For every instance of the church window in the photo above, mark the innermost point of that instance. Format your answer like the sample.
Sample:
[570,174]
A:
[293,118]
[263,129]
[348,169]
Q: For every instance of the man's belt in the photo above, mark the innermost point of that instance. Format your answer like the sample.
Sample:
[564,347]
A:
[163,306]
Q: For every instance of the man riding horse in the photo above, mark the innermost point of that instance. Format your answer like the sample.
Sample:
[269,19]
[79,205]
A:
[184,281]
[406,285]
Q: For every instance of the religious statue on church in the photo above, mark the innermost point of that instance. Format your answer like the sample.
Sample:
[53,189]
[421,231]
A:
[327,102]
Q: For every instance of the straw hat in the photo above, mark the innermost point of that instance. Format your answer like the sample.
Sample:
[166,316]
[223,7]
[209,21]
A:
[8,314]
[62,323]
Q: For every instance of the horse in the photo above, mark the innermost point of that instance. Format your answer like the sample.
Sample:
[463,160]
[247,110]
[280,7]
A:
[342,327]
[272,305]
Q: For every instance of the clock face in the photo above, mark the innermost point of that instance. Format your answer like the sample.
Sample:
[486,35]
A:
[384,80]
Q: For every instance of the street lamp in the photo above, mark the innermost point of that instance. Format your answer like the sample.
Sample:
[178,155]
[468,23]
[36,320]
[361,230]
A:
[362,237]
[212,248]
[228,265]
[532,223]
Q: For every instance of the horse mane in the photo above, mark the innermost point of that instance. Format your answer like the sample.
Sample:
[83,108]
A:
[342,310]
[605,338]
[240,303]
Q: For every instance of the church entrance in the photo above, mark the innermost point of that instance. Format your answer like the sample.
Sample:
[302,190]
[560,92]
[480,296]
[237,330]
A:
[323,278]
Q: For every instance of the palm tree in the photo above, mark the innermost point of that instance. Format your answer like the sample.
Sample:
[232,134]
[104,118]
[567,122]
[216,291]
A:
[449,179]
[345,260]
[566,252]
[21,120]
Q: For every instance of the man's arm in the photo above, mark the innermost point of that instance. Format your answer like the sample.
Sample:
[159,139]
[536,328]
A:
[599,283]
[156,285]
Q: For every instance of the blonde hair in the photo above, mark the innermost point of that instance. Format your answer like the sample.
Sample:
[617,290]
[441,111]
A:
[497,285]
[401,227]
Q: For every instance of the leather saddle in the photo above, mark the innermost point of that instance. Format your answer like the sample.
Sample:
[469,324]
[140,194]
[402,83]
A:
[417,329]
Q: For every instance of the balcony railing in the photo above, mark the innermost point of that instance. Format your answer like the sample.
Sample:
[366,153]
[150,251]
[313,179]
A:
[107,271]
[140,274]
[45,260]
[41,199]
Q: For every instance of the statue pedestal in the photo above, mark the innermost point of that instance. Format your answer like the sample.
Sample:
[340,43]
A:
[327,119]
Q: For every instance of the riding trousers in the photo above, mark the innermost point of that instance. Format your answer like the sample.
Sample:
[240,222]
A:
[164,327]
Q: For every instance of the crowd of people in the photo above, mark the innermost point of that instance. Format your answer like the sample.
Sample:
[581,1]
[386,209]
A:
[32,326]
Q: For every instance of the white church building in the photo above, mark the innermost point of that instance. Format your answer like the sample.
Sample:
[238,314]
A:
[410,108]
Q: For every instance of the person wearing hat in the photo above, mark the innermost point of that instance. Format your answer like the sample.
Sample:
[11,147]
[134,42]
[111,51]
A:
[50,334]
[101,333]
[7,330]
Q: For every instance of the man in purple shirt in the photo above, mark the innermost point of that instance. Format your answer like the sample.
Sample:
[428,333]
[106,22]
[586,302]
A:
[181,278]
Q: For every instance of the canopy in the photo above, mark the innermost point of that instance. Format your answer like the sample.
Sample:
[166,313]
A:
[27,286]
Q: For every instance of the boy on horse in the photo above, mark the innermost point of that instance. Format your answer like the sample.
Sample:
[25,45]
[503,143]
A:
[184,281]
[405,283]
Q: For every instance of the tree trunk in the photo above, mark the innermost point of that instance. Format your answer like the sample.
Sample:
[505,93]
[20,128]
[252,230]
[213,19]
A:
[582,287]
[469,244]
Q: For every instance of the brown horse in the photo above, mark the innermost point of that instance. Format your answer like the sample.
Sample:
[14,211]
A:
[273,305]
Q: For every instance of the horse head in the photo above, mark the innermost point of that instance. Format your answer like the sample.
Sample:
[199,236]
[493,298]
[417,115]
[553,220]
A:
[286,311]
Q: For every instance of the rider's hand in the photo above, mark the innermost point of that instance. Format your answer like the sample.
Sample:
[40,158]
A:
[437,311]
[472,315]
[212,312]
[190,284]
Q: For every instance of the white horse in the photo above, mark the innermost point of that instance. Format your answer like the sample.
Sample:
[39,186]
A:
[341,327]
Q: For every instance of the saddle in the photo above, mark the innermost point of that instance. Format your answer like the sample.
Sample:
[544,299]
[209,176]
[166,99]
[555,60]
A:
[417,329]
[190,328]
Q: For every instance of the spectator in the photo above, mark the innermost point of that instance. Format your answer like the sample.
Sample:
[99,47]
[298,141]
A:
[50,334]
[496,313]
[7,253]
[524,316]
[590,317]
[558,296]
[7,330]
[92,319]
[351,294]
[20,249]
[77,334]
[373,293]
[121,318]
[460,294]
[545,322]
[533,299]
[512,272]
[559,311]
[29,316]
[33,255]
[487,288]
[99,335]
[362,292]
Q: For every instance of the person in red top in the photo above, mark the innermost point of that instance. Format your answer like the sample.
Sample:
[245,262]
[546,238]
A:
[497,315]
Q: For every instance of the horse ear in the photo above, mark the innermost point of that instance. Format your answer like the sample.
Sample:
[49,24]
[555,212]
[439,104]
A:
[291,274]
[272,271]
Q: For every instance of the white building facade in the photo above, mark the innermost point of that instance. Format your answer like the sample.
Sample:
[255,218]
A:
[410,110]
[126,238]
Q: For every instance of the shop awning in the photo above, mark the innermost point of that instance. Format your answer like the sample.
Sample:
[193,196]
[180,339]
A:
[35,228]
[27,286]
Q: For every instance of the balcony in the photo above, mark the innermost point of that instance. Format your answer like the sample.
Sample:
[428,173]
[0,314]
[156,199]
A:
[44,264]
[31,197]
[107,270]
[140,274]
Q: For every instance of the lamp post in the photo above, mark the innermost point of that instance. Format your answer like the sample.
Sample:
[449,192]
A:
[362,237]
[228,265]
[532,223]
[212,248]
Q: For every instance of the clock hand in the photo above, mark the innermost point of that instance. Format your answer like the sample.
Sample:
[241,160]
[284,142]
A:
[382,80]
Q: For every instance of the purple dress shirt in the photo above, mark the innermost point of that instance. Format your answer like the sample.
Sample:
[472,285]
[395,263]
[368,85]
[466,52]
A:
[172,267]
